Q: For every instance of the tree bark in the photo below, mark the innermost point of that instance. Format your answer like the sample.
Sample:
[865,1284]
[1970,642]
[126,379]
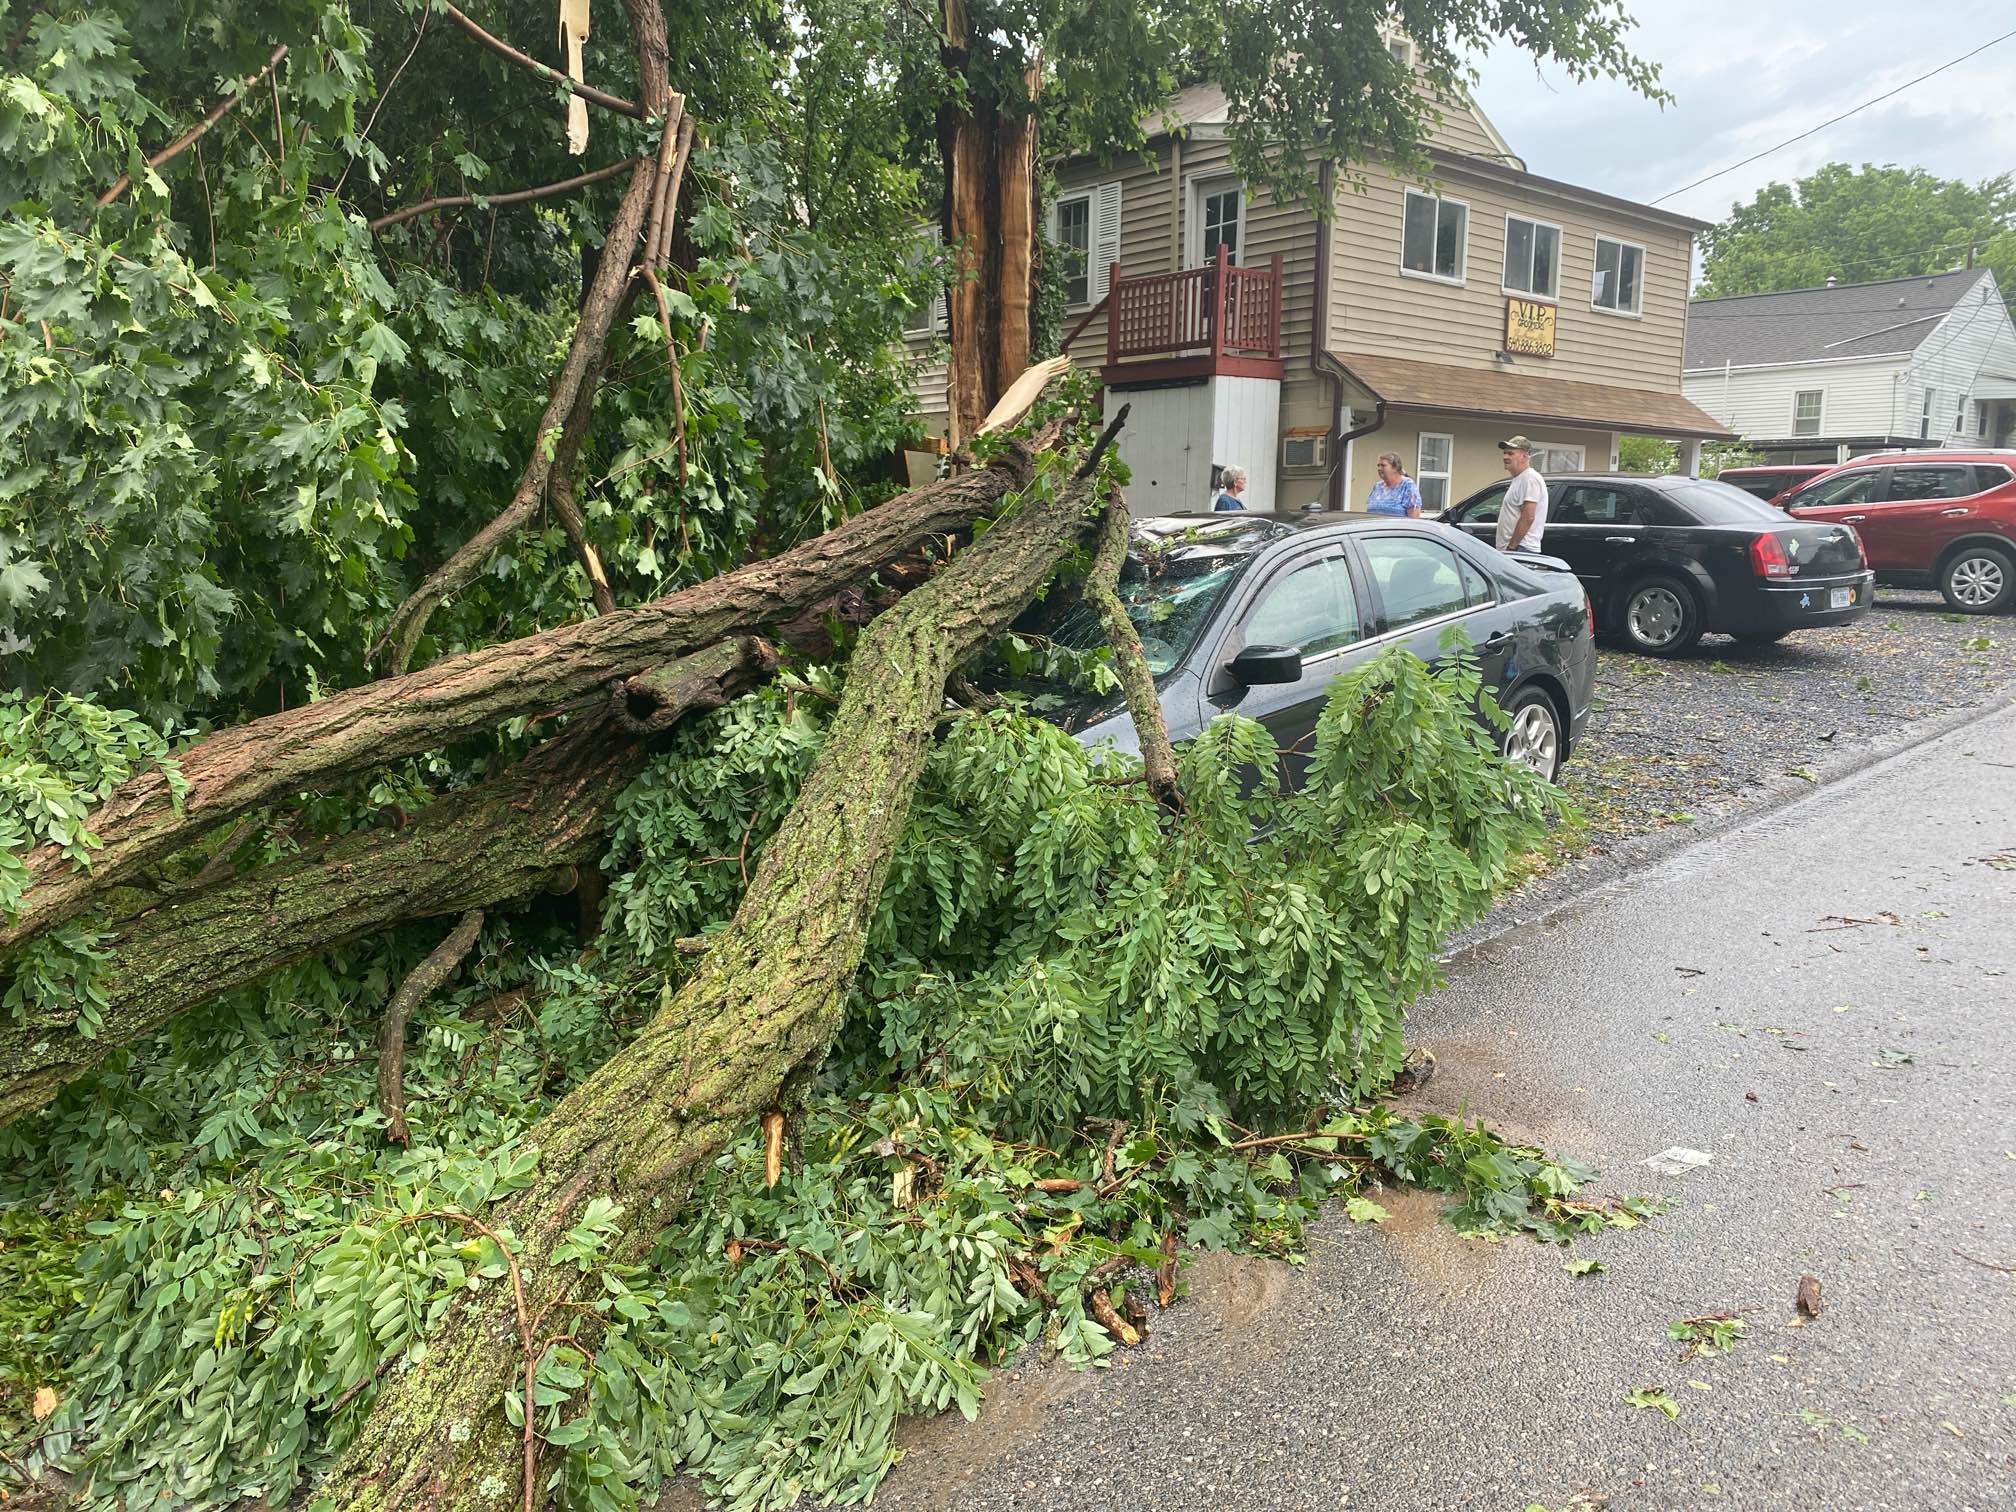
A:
[761,1007]
[361,729]
[524,832]
[987,147]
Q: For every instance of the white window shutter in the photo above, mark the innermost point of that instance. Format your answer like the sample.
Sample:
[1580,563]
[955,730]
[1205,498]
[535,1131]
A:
[1105,237]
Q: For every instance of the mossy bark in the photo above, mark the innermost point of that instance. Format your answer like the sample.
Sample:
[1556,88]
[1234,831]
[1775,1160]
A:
[762,1006]
[520,833]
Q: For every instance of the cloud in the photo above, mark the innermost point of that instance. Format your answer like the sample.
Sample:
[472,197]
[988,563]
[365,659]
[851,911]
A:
[1745,77]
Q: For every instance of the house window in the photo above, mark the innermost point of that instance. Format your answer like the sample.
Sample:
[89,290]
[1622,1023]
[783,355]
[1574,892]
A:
[1806,412]
[1431,470]
[1532,258]
[1925,414]
[1220,214]
[1432,236]
[1620,275]
[1960,419]
[931,317]
[1402,52]
[1556,459]
[1071,230]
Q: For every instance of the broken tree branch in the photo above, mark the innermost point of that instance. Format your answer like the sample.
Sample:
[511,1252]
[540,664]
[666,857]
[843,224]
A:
[419,985]
[358,730]
[528,830]
[532,65]
[513,197]
[560,490]
[760,1008]
[1137,681]
[188,138]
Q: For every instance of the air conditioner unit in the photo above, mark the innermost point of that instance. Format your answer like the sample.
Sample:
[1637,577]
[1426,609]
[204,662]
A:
[1305,448]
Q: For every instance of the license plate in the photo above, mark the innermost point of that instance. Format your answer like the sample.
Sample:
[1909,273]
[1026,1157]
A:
[1840,598]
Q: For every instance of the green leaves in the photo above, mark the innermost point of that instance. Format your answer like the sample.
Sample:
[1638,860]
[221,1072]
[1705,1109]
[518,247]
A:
[1654,1397]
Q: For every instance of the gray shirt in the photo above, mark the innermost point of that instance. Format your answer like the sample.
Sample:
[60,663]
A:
[1526,485]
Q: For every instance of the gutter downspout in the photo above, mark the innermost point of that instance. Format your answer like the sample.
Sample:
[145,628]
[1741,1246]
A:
[1321,363]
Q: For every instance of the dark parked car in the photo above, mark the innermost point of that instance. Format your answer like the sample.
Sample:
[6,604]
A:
[1666,559]
[1944,519]
[1257,614]
[1767,482]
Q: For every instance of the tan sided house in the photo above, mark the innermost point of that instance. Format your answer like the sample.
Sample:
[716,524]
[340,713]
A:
[1425,319]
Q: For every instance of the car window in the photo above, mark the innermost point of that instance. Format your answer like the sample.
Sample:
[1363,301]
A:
[1417,579]
[1843,488]
[1909,484]
[1476,586]
[1312,607]
[1482,510]
[1709,501]
[1991,475]
[1588,504]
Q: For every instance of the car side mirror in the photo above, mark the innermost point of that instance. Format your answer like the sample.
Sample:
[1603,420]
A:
[1266,664]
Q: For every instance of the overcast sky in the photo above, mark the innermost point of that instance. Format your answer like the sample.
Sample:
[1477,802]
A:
[1749,73]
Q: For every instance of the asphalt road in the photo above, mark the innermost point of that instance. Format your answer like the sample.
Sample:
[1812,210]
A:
[1406,1368]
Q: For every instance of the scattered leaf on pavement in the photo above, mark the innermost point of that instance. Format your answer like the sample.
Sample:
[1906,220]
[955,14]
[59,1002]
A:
[1807,1298]
[1584,1267]
[1653,1396]
[1365,1210]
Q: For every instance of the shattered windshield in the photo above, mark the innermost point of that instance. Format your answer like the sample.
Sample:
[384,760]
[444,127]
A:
[1171,584]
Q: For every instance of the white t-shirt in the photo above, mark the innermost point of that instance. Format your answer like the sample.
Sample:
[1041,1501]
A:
[1527,485]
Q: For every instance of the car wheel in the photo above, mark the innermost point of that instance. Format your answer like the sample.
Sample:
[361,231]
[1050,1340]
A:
[1533,740]
[1979,580]
[1660,617]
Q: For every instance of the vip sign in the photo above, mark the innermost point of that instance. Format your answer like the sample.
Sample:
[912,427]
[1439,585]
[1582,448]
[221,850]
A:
[1529,328]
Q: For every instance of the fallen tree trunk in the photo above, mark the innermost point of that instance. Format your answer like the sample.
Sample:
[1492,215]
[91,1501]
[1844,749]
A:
[361,729]
[761,1007]
[523,832]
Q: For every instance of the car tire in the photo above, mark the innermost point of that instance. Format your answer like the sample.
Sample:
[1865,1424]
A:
[1534,738]
[1760,637]
[1659,616]
[1978,580]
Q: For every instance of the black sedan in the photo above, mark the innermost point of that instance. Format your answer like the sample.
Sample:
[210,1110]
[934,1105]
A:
[1257,613]
[1665,559]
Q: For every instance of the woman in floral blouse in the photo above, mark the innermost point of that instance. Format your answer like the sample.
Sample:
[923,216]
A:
[1395,493]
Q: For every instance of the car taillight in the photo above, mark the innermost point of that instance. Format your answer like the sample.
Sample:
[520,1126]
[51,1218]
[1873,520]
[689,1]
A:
[1589,609]
[1767,557]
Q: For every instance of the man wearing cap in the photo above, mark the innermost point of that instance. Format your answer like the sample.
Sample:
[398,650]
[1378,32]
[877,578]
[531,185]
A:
[1522,518]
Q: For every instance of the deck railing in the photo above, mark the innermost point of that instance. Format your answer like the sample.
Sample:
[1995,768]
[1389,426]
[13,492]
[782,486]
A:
[1219,310]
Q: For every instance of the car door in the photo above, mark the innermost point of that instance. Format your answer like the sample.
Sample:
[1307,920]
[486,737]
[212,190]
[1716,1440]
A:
[1424,589]
[1596,528]
[1920,508]
[1844,499]
[1309,602]
[1478,515]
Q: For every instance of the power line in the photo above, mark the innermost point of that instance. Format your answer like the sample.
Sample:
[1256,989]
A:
[1835,121]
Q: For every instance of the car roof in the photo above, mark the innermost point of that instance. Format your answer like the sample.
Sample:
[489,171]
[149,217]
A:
[2004,455]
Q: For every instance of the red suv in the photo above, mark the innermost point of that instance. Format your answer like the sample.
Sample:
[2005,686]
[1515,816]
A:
[1945,519]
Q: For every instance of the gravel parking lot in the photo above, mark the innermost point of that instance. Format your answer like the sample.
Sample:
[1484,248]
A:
[1670,740]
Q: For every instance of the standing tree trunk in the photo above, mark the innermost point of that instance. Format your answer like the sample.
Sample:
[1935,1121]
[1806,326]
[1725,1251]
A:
[761,1007]
[987,146]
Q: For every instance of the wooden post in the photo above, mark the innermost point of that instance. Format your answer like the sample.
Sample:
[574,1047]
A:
[1275,305]
[1221,279]
[1113,308]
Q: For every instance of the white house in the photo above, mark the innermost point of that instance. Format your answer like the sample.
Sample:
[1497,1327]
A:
[1822,375]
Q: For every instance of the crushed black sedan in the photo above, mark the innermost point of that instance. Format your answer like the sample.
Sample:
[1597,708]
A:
[1257,614]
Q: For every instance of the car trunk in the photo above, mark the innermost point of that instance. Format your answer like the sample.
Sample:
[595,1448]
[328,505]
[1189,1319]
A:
[1819,551]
